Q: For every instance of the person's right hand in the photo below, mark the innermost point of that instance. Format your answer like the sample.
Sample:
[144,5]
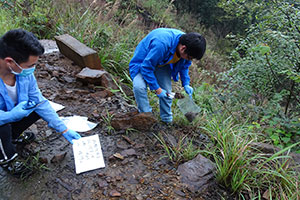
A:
[162,94]
[71,135]
[19,112]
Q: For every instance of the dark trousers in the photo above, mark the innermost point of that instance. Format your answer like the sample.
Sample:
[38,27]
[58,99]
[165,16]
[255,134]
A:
[11,131]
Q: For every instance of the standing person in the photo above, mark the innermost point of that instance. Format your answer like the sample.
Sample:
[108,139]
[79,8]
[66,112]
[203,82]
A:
[21,102]
[162,54]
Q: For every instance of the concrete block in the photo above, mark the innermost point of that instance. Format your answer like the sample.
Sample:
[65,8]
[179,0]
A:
[81,54]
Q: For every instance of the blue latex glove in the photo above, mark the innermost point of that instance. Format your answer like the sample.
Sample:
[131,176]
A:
[162,94]
[20,111]
[71,135]
[189,90]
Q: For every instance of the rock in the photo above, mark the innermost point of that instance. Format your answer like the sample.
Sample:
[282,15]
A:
[69,79]
[58,158]
[102,184]
[139,121]
[43,160]
[49,46]
[180,193]
[81,54]
[128,152]
[48,133]
[93,76]
[114,193]
[118,155]
[171,140]
[120,123]
[143,121]
[101,94]
[122,144]
[271,149]
[139,146]
[108,82]
[139,197]
[124,162]
[127,90]
[266,148]
[197,173]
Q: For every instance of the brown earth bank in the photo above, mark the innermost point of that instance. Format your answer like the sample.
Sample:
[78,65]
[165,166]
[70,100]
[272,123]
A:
[141,172]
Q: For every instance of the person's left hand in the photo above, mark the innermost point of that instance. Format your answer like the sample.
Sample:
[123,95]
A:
[189,90]
[71,135]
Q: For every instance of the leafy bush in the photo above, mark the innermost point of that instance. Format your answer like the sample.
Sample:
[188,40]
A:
[264,79]
[5,17]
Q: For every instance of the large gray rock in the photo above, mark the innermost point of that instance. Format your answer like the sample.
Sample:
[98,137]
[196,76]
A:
[197,174]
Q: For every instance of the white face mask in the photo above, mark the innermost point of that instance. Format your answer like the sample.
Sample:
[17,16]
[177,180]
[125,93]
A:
[24,72]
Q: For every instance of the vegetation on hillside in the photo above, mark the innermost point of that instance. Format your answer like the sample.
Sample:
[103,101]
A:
[251,69]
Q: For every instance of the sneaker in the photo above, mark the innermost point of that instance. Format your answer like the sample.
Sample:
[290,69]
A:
[24,138]
[18,169]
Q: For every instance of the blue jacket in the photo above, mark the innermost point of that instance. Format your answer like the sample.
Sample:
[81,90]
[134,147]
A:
[27,89]
[158,48]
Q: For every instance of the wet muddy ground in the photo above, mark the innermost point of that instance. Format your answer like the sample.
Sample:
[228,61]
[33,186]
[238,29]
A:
[142,174]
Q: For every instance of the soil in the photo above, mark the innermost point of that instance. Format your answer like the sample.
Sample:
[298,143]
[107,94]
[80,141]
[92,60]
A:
[144,174]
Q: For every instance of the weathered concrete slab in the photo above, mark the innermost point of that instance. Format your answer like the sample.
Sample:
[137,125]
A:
[197,174]
[81,54]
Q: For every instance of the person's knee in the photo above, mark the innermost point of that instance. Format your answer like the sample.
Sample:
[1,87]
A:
[139,89]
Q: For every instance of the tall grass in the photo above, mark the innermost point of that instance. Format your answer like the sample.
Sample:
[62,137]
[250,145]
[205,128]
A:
[245,170]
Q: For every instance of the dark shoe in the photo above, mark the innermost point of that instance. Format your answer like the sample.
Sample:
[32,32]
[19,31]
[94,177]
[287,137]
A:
[18,169]
[24,138]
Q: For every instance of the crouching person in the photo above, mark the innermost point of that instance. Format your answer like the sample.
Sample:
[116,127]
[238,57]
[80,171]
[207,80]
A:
[21,102]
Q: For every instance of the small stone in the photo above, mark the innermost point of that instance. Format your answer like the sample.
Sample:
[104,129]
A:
[43,160]
[122,144]
[102,184]
[124,162]
[114,193]
[101,174]
[180,193]
[58,158]
[139,197]
[128,152]
[119,156]
[118,178]
[108,179]
[48,133]
[139,146]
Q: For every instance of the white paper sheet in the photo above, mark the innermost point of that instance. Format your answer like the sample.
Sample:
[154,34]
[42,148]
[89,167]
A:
[88,154]
[78,123]
[57,107]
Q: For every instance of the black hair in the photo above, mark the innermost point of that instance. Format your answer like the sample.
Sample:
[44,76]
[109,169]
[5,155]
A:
[19,45]
[195,44]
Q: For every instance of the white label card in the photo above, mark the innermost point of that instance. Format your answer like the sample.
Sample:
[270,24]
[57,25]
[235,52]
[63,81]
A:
[88,154]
